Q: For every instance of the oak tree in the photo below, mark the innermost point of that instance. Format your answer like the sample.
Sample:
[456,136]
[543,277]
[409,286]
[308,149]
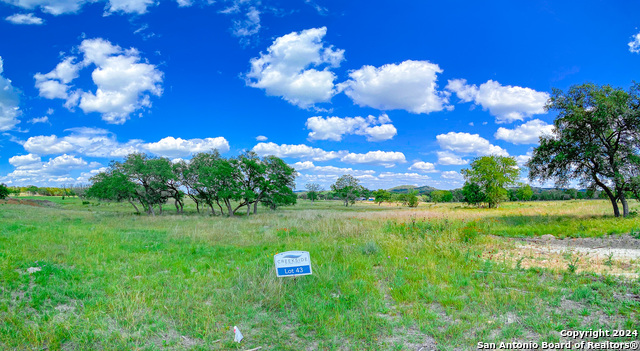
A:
[595,140]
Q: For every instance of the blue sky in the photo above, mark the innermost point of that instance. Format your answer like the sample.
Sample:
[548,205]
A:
[395,93]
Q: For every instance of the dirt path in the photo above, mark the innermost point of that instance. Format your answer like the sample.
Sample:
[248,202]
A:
[613,254]
[28,202]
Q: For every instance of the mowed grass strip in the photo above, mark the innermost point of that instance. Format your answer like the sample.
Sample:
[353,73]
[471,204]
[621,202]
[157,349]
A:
[384,277]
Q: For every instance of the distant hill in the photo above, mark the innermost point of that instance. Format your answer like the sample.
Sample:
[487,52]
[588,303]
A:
[404,189]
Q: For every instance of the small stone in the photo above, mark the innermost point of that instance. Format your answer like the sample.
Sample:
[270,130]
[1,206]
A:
[547,237]
[32,270]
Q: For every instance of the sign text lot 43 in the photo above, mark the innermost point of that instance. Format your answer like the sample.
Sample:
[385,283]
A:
[292,263]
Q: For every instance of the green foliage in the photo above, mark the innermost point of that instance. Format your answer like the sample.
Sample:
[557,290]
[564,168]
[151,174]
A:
[473,194]
[4,191]
[595,141]
[381,196]
[409,199]
[347,188]
[525,193]
[441,196]
[412,200]
[151,175]
[493,173]
[208,178]
[277,188]
[313,189]
[113,185]
[572,264]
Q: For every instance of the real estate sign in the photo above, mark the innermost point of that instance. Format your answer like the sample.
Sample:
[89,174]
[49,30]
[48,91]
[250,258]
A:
[292,263]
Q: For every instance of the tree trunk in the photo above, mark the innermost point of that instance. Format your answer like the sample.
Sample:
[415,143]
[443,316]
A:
[176,203]
[160,207]
[151,211]
[614,203]
[230,213]
[213,212]
[181,207]
[255,207]
[242,204]
[248,209]
[625,205]
[612,198]
[134,206]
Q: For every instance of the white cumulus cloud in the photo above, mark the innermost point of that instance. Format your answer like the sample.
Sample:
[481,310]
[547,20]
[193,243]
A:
[296,151]
[425,167]
[30,169]
[55,84]
[54,7]
[634,44]
[124,83]
[178,147]
[308,166]
[410,85]
[46,145]
[451,175]
[44,119]
[523,159]
[389,179]
[465,143]
[334,128]
[447,158]
[527,133]
[9,101]
[382,158]
[24,18]
[507,103]
[128,6]
[25,161]
[296,68]
[97,142]
[60,7]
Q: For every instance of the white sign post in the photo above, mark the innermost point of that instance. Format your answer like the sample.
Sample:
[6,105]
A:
[292,263]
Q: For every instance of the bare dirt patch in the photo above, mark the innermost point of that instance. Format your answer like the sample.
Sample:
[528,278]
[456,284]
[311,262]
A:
[614,254]
[28,202]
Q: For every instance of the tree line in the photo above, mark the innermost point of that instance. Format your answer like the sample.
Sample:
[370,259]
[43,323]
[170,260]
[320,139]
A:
[595,141]
[43,191]
[348,189]
[208,179]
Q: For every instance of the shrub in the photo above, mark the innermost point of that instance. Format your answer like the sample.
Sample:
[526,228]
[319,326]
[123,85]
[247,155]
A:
[370,248]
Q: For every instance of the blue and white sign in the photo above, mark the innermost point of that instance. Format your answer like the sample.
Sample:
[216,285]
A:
[292,263]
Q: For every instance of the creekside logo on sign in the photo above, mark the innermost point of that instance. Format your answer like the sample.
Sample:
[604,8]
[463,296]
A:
[292,263]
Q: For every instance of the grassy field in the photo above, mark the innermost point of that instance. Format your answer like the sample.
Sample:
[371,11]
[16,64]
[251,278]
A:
[384,277]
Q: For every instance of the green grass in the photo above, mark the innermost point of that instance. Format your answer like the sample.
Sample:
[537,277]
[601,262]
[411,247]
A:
[383,277]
